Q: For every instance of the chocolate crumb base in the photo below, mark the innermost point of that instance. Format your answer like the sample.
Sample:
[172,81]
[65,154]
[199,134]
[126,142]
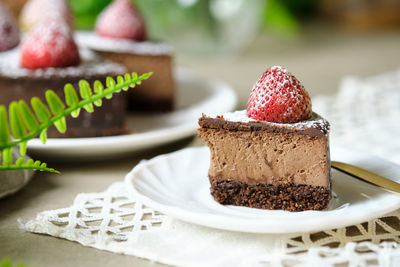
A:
[289,197]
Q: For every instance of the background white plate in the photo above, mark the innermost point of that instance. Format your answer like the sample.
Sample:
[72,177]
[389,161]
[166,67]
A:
[194,96]
[177,184]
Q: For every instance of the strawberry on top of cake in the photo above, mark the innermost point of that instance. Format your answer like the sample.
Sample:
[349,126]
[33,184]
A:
[279,97]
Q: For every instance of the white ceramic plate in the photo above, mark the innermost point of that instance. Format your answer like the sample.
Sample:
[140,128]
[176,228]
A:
[177,184]
[194,96]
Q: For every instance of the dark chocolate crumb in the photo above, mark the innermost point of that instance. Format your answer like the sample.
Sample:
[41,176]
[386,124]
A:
[289,197]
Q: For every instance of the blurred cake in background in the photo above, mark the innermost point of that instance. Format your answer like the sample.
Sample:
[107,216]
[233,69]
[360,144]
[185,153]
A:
[363,14]
[120,36]
[48,58]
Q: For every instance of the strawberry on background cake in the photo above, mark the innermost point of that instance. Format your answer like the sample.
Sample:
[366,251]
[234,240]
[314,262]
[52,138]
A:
[127,23]
[50,44]
[9,31]
[120,35]
[275,154]
[34,11]
[49,58]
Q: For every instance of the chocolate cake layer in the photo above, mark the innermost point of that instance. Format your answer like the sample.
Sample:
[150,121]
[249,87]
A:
[289,197]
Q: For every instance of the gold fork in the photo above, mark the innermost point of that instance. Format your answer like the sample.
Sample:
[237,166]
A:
[367,176]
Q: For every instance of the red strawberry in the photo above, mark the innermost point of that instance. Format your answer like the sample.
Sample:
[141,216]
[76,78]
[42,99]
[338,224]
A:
[121,20]
[279,97]
[50,44]
[9,32]
[35,11]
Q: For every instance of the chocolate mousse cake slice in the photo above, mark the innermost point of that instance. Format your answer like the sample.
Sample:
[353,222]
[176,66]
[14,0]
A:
[266,164]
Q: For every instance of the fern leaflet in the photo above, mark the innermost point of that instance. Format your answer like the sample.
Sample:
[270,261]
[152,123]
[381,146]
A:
[22,164]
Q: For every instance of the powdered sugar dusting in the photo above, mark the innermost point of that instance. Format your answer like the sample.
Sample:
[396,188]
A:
[316,121]
[91,65]
[9,32]
[92,41]
[276,67]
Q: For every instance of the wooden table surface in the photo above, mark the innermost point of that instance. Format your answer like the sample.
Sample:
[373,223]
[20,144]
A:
[319,59]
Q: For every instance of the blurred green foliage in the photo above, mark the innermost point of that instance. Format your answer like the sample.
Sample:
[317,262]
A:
[281,16]
[86,12]
[278,18]
[285,16]
[161,14]
[302,9]
[8,263]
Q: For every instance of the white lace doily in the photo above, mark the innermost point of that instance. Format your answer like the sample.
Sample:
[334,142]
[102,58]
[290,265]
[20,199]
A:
[113,221]
[364,115]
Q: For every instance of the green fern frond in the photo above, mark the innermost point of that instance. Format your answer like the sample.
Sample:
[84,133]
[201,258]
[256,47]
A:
[23,123]
[22,164]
